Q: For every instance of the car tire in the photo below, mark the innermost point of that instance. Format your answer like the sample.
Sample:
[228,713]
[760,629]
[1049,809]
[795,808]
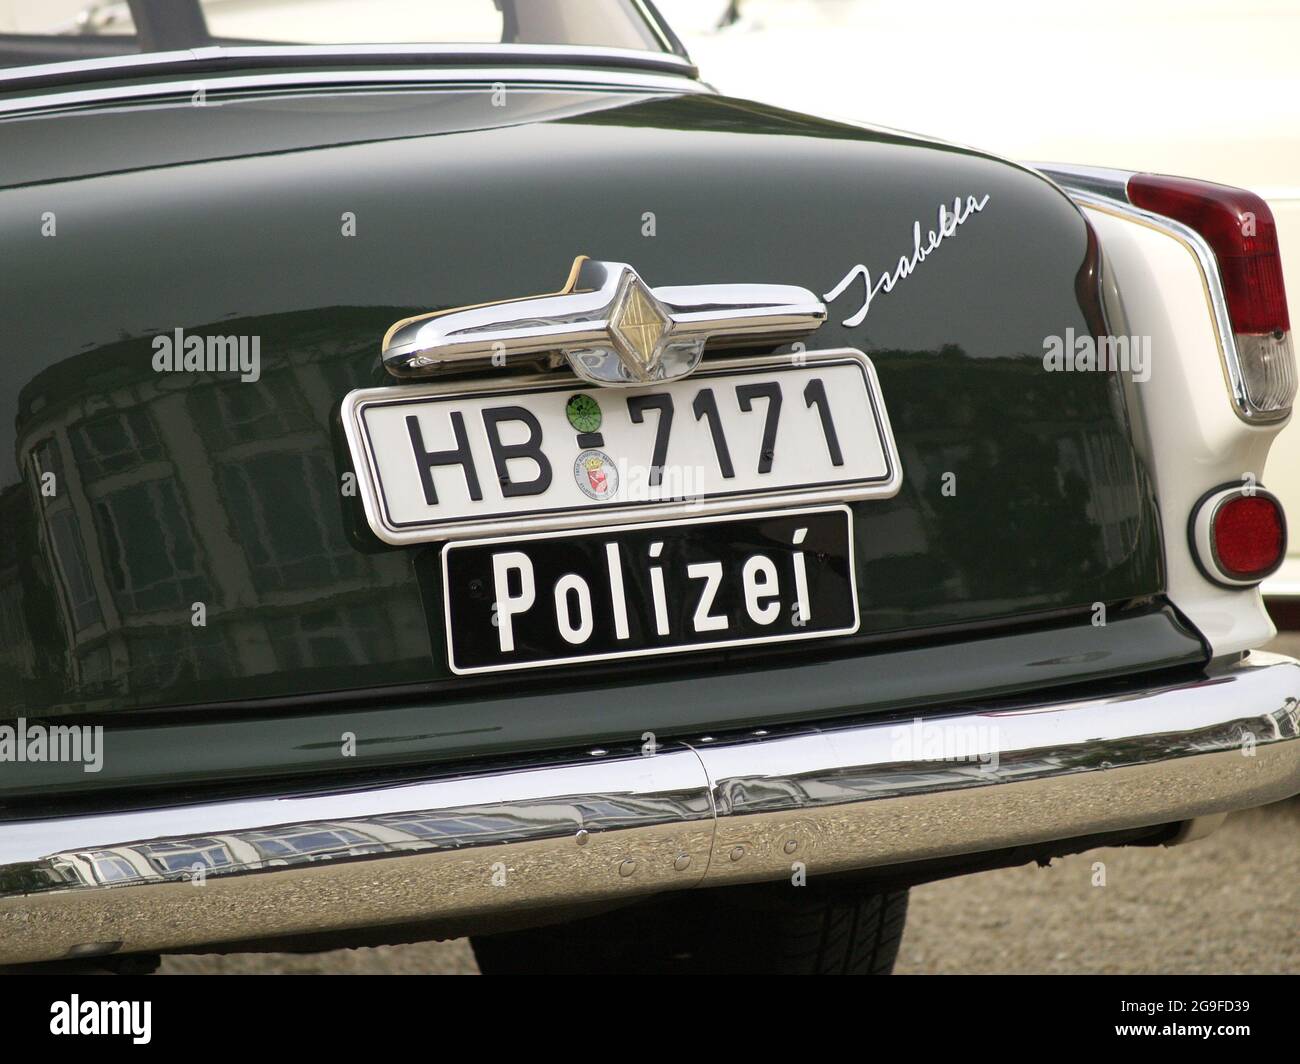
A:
[769,929]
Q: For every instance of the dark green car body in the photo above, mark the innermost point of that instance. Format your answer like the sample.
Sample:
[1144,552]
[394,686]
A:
[316,219]
[329,582]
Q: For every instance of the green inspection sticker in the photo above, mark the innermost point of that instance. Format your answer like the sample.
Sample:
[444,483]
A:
[583,413]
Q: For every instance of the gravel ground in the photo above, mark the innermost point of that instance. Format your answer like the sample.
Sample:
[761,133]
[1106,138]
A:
[1227,903]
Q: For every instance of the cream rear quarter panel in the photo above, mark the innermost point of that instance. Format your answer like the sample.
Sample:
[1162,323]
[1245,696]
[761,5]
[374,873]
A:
[1197,440]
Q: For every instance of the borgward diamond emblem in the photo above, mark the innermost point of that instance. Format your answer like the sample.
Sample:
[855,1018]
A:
[608,324]
[638,325]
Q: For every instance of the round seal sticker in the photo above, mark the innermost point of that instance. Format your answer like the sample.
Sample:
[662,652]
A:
[583,413]
[596,475]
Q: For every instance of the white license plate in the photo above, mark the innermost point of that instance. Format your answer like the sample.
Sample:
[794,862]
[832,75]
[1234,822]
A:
[437,460]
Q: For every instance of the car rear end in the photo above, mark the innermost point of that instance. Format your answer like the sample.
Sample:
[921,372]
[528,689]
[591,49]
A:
[395,631]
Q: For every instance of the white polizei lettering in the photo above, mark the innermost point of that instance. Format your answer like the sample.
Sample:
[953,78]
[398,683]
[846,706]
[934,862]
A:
[804,613]
[657,591]
[510,606]
[711,574]
[761,582]
[572,582]
[614,561]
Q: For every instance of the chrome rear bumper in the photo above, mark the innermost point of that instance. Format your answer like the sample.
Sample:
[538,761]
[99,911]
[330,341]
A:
[870,793]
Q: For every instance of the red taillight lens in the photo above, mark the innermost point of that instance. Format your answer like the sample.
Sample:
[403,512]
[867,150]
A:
[1239,226]
[1240,230]
[1249,536]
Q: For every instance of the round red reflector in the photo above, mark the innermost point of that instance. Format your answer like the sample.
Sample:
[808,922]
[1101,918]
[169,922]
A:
[1249,536]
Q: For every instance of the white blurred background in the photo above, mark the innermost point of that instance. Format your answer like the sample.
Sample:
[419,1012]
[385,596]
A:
[1201,88]
[1209,86]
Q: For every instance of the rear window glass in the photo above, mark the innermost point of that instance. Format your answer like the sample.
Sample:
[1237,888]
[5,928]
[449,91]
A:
[52,31]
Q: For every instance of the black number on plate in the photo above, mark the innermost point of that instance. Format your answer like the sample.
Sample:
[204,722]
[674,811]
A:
[815,395]
[706,406]
[637,405]
[771,391]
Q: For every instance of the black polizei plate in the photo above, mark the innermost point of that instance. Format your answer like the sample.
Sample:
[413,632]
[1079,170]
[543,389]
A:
[565,597]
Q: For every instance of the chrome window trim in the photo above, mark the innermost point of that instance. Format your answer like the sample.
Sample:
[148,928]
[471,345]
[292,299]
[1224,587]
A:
[1107,190]
[213,85]
[659,28]
[149,63]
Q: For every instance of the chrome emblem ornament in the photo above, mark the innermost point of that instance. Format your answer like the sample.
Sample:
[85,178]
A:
[608,324]
[637,325]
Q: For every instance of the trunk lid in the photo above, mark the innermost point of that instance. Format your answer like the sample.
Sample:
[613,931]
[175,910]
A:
[314,222]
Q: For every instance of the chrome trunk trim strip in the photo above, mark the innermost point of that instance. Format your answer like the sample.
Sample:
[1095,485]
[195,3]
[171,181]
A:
[211,88]
[457,849]
[147,64]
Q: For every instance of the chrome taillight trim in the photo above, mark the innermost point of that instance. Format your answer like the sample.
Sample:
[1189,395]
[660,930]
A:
[1106,190]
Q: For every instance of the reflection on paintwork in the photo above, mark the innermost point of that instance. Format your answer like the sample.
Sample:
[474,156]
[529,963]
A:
[195,488]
